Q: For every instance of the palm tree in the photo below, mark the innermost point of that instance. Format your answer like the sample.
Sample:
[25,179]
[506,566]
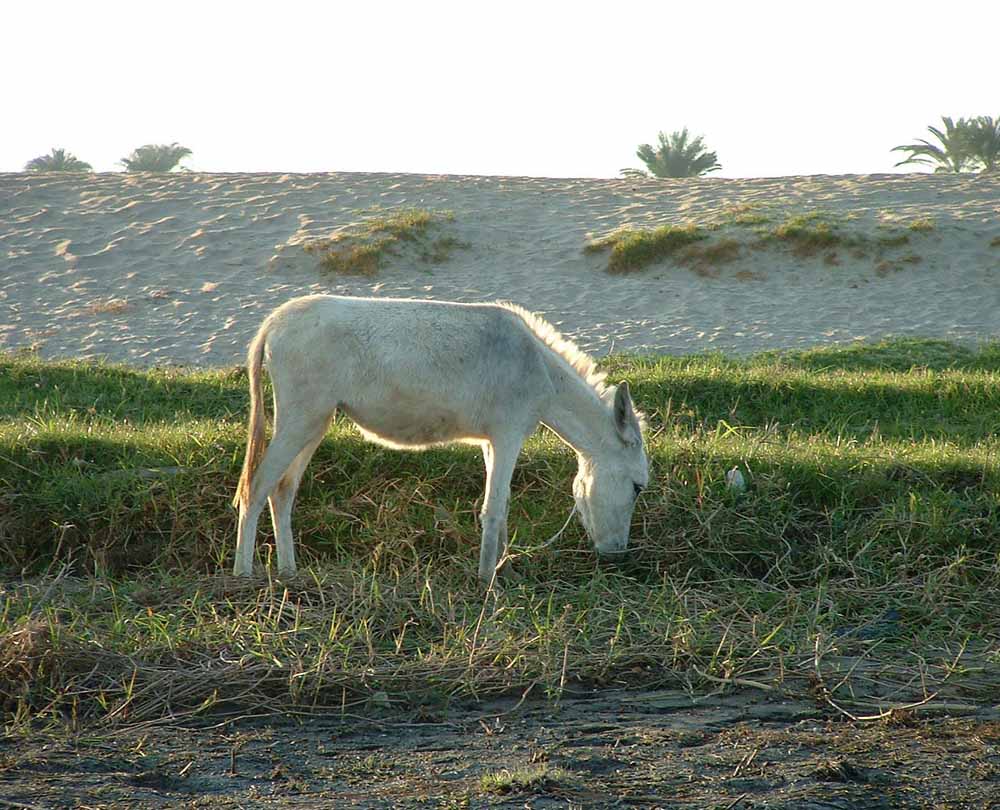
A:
[984,142]
[58,160]
[954,153]
[676,155]
[155,158]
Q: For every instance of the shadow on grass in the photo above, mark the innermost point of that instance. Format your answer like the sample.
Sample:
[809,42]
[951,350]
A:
[116,506]
[30,386]
[894,355]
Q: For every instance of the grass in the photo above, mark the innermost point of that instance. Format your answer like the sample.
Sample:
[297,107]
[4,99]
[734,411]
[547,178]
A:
[868,527]
[362,249]
[746,214]
[110,306]
[632,249]
[704,258]
[886,266]
[530,779]
[805,235]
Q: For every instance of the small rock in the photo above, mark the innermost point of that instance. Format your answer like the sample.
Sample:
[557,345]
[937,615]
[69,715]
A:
[735,480]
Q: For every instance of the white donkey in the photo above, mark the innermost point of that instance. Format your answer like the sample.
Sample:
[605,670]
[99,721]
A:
[412,374]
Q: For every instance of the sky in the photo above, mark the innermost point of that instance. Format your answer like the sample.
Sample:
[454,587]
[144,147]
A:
[549,89]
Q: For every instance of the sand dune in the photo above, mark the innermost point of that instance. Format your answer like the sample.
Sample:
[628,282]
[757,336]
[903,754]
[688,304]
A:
[181,268]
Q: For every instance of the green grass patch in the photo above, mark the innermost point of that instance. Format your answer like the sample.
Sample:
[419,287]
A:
[632,248]
[871,517]
[807,235]
[746,215]
[363,248]
[524,780]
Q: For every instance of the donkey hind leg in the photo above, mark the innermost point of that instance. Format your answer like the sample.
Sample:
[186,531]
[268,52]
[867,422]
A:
[290,438]
[500,460]
[281,500]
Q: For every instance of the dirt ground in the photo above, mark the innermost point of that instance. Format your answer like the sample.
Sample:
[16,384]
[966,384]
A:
[611,749]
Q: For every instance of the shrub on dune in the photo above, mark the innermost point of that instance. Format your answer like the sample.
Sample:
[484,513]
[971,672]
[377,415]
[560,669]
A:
[156,158]
[58,160]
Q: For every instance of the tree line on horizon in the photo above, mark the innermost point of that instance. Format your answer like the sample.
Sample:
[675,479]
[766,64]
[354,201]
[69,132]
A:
[153,157]
[965,145]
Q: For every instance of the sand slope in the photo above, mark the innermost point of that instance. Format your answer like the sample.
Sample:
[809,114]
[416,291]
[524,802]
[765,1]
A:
[181,268]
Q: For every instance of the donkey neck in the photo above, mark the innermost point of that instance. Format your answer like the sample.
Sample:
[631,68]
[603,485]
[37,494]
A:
[576,412]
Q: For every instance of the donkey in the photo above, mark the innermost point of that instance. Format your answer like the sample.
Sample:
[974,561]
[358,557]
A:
[412,374]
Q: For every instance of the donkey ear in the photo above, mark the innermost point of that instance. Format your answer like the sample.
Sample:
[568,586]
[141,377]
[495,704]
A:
[626,422]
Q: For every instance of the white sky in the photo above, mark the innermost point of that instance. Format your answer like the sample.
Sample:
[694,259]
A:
[558,89]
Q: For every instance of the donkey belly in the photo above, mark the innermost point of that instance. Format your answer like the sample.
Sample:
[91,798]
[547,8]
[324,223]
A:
[403,424]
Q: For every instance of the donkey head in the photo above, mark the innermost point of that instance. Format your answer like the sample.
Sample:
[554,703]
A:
[609,481]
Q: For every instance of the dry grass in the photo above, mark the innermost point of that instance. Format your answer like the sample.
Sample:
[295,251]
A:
[745,214]
[633,249]
[887,266]
[922,225]
[362,249]
[805,235]
[705,259]
[109,306]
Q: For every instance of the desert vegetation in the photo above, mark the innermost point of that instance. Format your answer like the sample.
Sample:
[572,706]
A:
[676,154]
[634,248]
[704,247]
[362,248]
[58,160]
[968,144]
[156,158]
[866,528]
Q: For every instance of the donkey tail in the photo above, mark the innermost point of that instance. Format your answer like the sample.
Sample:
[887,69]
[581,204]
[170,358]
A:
[255,429]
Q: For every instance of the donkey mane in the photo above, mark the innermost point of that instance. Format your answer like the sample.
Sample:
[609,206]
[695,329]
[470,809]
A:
[565,348]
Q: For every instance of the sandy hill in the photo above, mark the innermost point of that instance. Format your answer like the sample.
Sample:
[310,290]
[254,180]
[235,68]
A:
[181,268]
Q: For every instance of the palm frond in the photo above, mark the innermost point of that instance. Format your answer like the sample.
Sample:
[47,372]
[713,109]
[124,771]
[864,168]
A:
[678,155]
[155,158]
[953,154]
[58,160]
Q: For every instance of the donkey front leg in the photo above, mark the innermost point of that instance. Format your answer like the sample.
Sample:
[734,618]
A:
[500,460]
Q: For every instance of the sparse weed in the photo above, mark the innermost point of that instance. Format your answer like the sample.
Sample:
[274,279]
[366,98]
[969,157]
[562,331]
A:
[360,250]
[632,249]
[705,257]
[530,779]
[893,240]
[807,234]
[745,214]
[109,306]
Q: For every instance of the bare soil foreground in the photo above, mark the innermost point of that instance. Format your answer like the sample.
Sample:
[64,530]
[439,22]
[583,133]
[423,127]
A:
[611,749]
